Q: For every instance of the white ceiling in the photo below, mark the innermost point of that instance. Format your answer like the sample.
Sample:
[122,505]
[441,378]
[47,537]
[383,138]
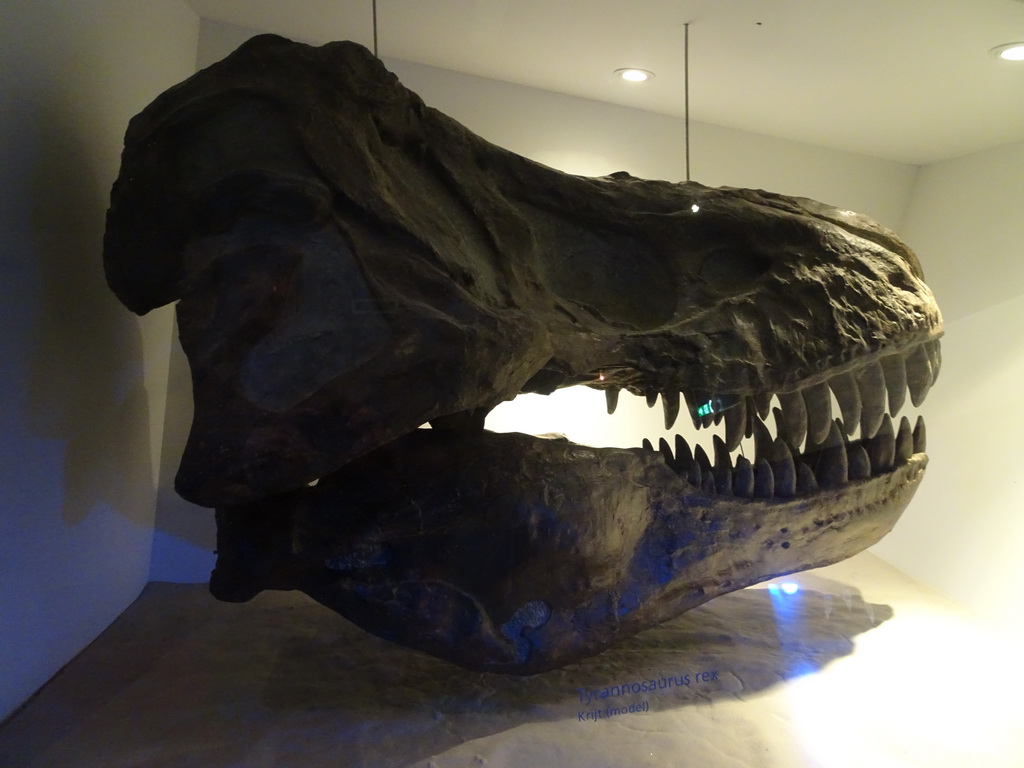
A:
[907,80]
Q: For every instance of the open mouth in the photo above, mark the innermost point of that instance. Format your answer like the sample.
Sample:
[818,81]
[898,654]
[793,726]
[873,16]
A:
[845,428]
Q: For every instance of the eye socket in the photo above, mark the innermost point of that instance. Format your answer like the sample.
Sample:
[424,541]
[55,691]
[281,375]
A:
[731,270]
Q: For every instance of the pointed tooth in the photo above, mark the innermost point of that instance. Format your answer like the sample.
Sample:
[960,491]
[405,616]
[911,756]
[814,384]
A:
[931,349]
[670,402]
[794,413]
[935,357]
[835,436]
[701,457]
[762,441]
[735,424]
[882,448]
[694,400]
[848,395]
[665,450]
[832,470]
[833,439]
[722,459]
[611,398]
[818,404]
[782,429]
[809,449]
[780,452]
[904,442]
[784,471]
[683,454]
[871,382]
[806,482]
[646,445]
[717,418]
[920,436]
[652,398]
[763,404]
[895,381]
[694,474]
[780,423]
[858,463]
[723,481]
[708,483]
[764,480]
[919,374]
[743,478]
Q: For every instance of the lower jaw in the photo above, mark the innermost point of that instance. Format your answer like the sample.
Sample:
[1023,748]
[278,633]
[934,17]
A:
[515,554]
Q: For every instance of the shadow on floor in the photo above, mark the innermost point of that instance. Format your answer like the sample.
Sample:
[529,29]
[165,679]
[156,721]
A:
[181,680]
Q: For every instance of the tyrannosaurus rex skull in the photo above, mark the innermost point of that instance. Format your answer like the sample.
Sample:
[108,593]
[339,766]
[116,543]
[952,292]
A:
[350,265]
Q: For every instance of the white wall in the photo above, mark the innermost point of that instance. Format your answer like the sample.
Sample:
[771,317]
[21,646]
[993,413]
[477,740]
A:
[964,533]
[82,381]
[578,136]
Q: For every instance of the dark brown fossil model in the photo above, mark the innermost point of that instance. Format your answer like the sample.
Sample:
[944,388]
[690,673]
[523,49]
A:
[350,264]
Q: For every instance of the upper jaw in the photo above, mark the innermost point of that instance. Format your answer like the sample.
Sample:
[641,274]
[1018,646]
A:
[425,367]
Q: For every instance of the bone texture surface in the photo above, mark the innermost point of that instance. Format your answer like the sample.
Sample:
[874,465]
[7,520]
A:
[349,264]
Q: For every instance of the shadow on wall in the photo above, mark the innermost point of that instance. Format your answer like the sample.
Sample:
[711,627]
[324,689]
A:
[186,534]
[86,376]
[281,676]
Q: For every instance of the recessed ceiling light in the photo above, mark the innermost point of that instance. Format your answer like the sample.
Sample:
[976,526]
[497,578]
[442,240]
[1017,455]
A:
[1009,51]
[634,75]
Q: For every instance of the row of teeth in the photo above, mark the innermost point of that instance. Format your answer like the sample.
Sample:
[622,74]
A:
[806,415]
[779,472]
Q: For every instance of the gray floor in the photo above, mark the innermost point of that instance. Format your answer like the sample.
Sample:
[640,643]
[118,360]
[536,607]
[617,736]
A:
[820,678]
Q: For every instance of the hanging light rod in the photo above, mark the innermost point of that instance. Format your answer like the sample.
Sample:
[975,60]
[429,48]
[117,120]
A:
[686,94]
[375,53]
